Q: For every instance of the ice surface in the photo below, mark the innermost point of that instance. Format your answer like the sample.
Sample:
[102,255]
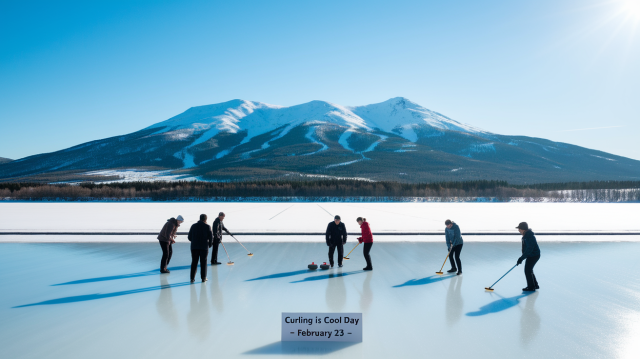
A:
[313,217]
[109,301]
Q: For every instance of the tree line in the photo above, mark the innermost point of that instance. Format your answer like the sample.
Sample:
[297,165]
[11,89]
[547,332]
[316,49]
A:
[320,190]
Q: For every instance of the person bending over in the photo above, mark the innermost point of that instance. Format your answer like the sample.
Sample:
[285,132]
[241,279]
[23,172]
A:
[336,237]
[530,252]
[454,245]
[167,237]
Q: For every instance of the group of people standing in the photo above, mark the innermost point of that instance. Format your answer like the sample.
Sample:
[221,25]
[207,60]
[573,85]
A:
[204,237]
[336,237]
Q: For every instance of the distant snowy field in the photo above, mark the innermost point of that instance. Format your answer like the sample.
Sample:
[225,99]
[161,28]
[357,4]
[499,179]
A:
[386,218]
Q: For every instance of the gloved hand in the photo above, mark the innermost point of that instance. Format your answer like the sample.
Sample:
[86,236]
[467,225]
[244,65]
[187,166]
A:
[519,261]
[449,248]
[211,245]
[359,239]
[328,245]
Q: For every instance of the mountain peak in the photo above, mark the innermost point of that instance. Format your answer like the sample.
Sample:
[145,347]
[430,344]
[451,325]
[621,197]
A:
[396,139]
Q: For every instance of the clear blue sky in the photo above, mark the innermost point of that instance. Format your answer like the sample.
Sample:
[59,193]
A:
[72,72]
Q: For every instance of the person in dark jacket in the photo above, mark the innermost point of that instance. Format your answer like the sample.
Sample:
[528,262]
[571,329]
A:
[530,252]
[336,236]
[367,239]
[218,227]
[454,245]
[201,239]
[167,237]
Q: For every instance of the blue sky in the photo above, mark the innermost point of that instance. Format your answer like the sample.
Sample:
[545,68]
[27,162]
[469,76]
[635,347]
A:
[566,70]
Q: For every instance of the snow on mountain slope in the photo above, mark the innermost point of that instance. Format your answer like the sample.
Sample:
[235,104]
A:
[395,139]
[232,116]
[254,117]
[402,116]
[395,115]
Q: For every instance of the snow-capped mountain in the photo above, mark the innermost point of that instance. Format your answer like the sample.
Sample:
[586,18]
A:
[393,140]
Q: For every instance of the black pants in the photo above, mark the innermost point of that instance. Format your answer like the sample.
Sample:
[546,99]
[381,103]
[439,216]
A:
[332,248]
[528,271]
[214,252]
[365,251]
[199,255]
[456,252]
[167,251]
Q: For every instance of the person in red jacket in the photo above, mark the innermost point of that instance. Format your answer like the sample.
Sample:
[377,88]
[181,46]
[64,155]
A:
[367,239]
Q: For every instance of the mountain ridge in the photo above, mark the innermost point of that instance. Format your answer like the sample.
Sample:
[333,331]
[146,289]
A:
[395,139]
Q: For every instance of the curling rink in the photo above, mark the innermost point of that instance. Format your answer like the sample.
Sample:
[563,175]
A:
[108,300]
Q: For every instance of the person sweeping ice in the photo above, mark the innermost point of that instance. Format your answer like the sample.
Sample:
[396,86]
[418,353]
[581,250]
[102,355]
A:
[454,245]
[530,252]
[367,240]
[167,237]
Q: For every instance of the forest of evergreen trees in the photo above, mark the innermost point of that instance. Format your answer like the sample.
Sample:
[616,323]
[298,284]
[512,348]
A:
[321,190]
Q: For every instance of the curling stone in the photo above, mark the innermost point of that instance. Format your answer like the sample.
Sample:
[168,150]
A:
[324,266]
[312,266]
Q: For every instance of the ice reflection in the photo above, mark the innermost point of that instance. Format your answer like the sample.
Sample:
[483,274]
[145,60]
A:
[530,320]
[454,301]
[336,293]
[366,296]
[198,319]
[165,305]
[217,297]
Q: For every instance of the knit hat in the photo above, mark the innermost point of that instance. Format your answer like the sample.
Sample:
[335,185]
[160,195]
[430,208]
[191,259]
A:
[180,219]
[336,217]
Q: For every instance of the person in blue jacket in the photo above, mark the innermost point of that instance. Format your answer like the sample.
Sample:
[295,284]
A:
[530,252]
[454,245]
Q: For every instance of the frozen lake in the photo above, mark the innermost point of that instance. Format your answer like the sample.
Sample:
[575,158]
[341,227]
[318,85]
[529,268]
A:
[313,217]
[107,300]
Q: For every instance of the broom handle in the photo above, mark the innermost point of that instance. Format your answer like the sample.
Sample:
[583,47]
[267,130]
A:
[503,276]
[245,248]
[225,250]
[445,260]
[353,248]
